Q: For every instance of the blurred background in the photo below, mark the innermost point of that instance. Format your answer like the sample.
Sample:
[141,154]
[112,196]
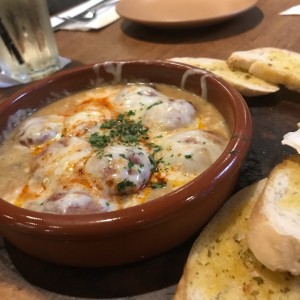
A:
[56,6]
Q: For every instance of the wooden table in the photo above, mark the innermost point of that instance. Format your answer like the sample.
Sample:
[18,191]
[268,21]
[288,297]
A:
[273,116]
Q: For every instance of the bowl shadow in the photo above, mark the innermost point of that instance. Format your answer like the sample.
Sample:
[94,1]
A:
[122,281]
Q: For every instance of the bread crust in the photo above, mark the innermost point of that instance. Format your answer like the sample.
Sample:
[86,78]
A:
[247,84]
[222,266]
[180,290]
[279,66]
[276,250]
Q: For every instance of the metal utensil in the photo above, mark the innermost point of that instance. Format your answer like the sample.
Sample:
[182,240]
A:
[91,13]
[85,16]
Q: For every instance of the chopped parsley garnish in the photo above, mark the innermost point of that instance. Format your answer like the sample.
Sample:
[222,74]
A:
[188,156]
[156,103]
[258,279]
[120,130]
[156,148]
[158,185]
[130,164]
[153,163]
[99,141]
[130,113]
[121,186]
[124,130]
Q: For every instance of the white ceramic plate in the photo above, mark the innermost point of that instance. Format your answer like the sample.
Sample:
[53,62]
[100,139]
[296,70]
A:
[181,13]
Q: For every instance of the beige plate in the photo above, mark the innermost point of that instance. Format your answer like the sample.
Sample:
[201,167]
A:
[181,13]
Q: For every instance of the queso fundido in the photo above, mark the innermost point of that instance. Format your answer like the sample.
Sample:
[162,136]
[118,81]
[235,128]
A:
[110,148]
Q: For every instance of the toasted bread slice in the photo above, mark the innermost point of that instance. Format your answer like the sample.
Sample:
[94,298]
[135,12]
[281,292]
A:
[220,264]
[245,83]
[275,65]
[274,235]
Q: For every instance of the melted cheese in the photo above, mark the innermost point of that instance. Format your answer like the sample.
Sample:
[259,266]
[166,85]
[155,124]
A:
[170,115]
[137,99]
[120,169]
[191,151]
[71,157]
[37,131]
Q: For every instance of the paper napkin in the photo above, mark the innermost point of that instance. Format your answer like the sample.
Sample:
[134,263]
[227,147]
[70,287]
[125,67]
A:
[295,10]
[105,16]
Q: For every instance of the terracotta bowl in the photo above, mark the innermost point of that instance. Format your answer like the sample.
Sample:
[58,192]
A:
[146,230]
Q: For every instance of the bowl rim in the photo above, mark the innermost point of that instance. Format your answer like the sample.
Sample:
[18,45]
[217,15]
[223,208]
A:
[143,215]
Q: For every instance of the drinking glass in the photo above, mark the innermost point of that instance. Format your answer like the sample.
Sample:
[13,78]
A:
[28,49]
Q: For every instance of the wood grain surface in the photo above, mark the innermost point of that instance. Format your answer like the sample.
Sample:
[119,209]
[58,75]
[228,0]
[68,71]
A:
[24,277]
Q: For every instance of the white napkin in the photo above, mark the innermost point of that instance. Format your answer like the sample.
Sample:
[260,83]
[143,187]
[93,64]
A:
[292,139]
[295,10]
[105,16]
[6,81]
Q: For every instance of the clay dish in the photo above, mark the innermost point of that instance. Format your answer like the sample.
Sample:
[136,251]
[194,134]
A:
[142,231]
